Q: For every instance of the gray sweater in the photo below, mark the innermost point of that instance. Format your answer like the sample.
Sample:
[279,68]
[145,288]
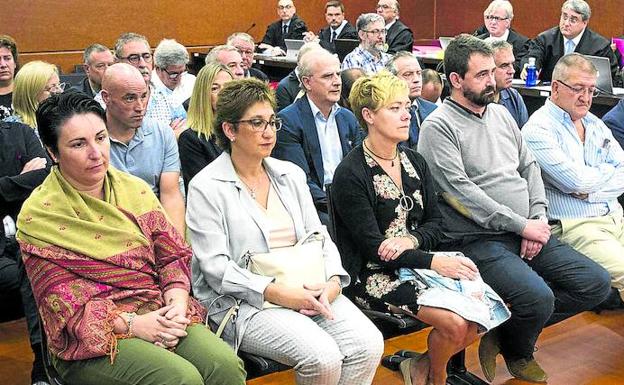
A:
[488,180]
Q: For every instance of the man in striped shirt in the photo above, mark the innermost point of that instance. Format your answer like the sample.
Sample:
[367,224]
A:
[582,166]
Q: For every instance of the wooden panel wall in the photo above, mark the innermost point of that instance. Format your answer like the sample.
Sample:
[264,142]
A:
[58,30]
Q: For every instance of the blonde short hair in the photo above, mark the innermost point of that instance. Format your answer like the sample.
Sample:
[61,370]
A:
[200,115]
[375,92]
[30,82]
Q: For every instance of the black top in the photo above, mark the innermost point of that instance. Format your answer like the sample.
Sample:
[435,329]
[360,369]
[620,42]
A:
[258,74]
[399,38]
[347,32]
[274,36]
[85,87]
[520,45]
[196,152]
[287,91]
[367,211]
[6,108]
[18,145]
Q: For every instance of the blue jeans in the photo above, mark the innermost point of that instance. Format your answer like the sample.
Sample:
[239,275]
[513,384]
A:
[575,284]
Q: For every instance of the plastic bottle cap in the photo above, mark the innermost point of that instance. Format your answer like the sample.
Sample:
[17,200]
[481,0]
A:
[531,61]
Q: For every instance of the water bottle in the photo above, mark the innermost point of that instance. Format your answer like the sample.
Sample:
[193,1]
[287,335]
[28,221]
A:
[531,73]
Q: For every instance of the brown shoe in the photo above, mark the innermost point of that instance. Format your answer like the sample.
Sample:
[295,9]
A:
[489,348]
[527,370]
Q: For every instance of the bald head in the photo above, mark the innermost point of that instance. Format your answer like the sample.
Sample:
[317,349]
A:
[120,74]
[125,94]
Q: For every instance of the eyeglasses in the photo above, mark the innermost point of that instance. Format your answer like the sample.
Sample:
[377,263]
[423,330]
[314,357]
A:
[136,57]
[376,32]
[283,7]
[495,18]
[384,6]
[570,19]
[56,88]
[593,91]
[260,125]
[173,75]
[244,52]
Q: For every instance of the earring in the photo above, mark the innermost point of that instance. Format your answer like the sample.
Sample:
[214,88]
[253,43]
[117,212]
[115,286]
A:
[232,139]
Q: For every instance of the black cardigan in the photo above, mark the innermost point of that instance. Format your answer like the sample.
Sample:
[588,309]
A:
[195,153]
[357,234]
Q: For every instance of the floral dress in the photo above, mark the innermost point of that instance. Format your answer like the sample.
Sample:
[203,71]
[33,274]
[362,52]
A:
[378,286]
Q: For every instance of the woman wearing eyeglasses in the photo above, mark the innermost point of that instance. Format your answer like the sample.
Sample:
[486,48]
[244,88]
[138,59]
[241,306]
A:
[198,146]
[246,202]
[34,83]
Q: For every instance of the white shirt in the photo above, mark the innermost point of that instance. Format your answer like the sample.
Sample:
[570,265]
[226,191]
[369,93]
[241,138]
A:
[337,30]
[331,148]
[390,24]
[503,37]
[179,94]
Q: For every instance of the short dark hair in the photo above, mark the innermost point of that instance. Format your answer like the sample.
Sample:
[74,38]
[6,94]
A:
[91,49]
[57,109]
[431,76]
[334,3]
[235,98]
[8,42]
[459,51]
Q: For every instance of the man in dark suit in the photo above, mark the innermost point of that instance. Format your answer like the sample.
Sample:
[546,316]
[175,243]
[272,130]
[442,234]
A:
[246,47]
[337,28]
[97,59]
[289,88]
[316,133]
[498,16]
[398,36]
[406,66]
[289,26]
[572,35]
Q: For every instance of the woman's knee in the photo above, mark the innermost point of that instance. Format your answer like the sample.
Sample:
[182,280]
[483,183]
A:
[456,329]
[228,368]
[183,375]
[324,362]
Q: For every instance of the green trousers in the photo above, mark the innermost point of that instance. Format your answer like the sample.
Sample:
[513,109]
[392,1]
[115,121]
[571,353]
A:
[200,358]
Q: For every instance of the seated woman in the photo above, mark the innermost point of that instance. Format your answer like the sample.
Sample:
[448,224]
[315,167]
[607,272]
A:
[387,218]
[246,202]
[35,82]
[197,145]
[109,272]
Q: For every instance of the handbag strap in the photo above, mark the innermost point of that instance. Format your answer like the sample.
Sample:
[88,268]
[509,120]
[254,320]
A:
[230,315]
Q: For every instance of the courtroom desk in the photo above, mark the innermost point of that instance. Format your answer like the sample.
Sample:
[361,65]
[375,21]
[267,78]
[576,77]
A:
[276,67]
[428,61]
[534,98]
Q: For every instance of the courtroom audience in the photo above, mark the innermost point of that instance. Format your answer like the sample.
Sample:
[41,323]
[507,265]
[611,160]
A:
[494,206]
[35,82]
[337,27]
[289,26]
[370,55]
[228,56]
[571,35]
[432,86]
[505,95]
[246,46]
[170,75]
[348,77]
[96,60]
[582,166]
[9,63]
[198,146]
[497,17]
[407,68]
[128,318]
[141,146]
[398,35]
[614,119]
[317,133]
[289,88]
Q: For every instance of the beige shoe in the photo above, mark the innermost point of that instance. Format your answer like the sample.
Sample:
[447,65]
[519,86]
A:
[489,348]
[527,370]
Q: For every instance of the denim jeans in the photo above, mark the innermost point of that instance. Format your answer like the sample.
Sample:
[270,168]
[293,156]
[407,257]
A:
[575,284]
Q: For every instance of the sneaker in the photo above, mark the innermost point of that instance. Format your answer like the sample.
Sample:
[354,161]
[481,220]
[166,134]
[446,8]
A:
[527,370]
[489,348]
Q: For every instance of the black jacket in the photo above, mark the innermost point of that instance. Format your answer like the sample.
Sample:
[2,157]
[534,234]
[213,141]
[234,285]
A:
[348,32]
[287,91]
[85,88]
[274,36]
[399,38]
[547,48]
[258,74]
[195,153]
[520,45]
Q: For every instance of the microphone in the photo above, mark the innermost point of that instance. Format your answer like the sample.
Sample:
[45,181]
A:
[250,27]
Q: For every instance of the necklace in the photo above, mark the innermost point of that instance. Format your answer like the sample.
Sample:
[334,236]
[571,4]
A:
[253,189]
[396,153]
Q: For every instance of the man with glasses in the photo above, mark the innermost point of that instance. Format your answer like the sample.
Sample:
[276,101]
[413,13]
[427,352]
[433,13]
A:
[289,26]
[370,55]
[170,75]
[317,133]
[246,47]
[583,167]
[505,95]
[398,35]
[97,59]
[228,56]
[497,17]
[572,35]
[337,27]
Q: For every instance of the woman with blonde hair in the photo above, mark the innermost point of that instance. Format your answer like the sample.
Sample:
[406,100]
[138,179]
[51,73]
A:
[34,83]
[198,146]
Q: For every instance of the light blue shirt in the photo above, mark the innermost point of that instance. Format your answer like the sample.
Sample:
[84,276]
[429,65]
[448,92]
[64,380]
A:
[570,166]
[331,149]
[153,150]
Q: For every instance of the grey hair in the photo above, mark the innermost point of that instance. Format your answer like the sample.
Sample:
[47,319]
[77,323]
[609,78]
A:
[307,47]
[93,48]
[368,18]
[391,65]
[170,53]
[212,56]
[505,5]
[241,36]
[126,38]
[305,64]
[573,60]
[578,6]
[498,45]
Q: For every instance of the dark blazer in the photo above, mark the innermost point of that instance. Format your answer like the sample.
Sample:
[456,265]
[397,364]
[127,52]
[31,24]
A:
[287,91]
[195,153]
[425,107]
[258,74]
[85,88]
[399,38]
[520,45]
[274,36]
[547,48]
[348,32]
[614,119]
[298,142]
